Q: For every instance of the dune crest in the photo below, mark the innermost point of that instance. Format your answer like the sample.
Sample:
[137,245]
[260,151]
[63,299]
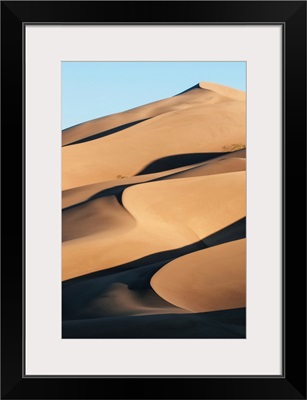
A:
[224,90]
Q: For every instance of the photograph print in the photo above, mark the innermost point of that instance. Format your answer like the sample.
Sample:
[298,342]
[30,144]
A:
[153,200]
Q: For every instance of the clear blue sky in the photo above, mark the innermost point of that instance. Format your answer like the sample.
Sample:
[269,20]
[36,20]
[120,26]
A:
[94,89]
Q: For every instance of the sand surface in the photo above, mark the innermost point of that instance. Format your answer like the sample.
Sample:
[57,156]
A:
[153,219]
[206,280]
[199,121]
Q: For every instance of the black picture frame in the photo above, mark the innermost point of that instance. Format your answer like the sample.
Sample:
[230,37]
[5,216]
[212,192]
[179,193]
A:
[292,16]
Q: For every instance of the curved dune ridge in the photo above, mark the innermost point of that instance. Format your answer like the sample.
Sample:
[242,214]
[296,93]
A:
[155,216]
[153,219]
[206,280]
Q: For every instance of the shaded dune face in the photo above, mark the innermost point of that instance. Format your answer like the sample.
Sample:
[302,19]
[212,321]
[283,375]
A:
[153,219]
[124,291]
[103,214]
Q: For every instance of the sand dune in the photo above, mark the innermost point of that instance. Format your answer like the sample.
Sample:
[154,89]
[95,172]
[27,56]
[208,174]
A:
[220,164]
[201,127]
[153,225]
[195,204]
[206,280]
[205,92]
[150,220]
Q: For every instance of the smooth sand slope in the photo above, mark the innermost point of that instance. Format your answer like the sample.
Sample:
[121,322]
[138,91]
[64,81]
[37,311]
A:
[210,94]
[153,223]
[206,280]
[206,122]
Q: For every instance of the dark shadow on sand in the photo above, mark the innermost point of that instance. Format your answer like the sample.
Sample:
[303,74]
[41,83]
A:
[177,161]
[107,132]
[77,297]
[80,320]
[188,90]
[116,191]
[216,324]
[232,232]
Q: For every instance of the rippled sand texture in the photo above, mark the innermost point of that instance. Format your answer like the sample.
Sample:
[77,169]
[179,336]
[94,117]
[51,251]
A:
[154,206]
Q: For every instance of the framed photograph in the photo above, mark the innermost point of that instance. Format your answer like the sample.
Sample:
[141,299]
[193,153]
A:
[155,188]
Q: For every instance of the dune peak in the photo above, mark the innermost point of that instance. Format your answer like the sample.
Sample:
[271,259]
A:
[223,90]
